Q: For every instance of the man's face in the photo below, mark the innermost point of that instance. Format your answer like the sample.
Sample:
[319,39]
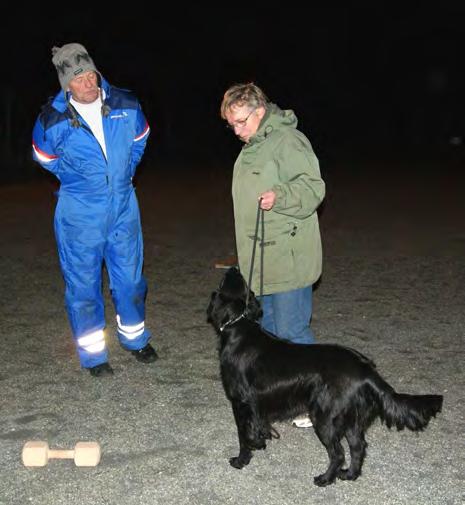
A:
[84,87]
[244,120]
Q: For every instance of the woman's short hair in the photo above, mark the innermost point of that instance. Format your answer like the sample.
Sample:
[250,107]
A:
[239,95]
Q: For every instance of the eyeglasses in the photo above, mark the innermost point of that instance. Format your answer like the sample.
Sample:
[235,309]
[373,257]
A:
[240,123]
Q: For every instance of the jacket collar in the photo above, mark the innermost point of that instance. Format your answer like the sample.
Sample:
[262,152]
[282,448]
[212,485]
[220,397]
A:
[274,119]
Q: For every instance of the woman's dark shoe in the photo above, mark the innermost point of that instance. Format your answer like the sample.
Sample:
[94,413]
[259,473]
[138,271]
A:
[145,355]
[101,370]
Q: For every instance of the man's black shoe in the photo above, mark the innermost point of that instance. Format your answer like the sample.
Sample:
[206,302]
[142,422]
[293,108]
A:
[145,355]
[101,370]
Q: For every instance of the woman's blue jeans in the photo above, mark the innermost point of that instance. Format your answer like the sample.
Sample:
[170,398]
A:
[288,315]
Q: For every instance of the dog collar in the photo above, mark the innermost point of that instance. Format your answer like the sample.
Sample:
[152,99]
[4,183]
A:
[232,321]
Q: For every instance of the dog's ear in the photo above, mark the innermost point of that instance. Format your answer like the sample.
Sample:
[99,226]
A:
[210,306]
[222,309]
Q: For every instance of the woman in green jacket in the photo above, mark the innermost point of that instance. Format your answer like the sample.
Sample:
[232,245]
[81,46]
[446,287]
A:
[276,166]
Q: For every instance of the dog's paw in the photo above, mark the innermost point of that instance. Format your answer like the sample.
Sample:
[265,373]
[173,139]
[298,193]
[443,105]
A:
[322,480]
[346,474]
[242,460]
[238,462]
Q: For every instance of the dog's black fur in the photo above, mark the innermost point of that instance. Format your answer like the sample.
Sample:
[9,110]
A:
[267,379]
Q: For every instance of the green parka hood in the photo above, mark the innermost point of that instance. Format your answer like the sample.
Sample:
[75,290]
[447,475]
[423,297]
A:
[274,119]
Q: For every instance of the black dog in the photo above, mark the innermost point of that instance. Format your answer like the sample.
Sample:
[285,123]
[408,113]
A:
[267,379]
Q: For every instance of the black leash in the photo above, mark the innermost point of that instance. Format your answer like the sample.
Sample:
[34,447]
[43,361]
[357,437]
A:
[273,433]
[259,211]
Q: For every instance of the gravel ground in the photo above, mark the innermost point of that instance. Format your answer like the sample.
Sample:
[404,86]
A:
[392,287]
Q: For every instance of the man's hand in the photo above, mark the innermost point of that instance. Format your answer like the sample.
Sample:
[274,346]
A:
[267,200]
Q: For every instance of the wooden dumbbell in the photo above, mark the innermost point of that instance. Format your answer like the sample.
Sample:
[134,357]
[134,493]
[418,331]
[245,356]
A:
[37,453]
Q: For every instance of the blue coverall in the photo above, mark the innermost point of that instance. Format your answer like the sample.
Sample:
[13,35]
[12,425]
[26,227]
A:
[97,217]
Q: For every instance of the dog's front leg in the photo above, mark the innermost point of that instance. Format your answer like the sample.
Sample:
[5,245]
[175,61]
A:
[242,415]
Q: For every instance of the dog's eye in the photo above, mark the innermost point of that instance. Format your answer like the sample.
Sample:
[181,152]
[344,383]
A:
[213,295]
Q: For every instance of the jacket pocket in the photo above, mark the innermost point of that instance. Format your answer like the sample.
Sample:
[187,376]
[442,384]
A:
[278,260]
[126,244]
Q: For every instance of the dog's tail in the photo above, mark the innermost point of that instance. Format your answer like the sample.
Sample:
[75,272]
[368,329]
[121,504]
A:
[402,410]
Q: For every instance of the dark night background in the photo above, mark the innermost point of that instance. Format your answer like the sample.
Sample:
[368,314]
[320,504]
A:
[372,82]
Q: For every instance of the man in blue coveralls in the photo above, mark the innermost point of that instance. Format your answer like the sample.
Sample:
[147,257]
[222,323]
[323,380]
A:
[91,136]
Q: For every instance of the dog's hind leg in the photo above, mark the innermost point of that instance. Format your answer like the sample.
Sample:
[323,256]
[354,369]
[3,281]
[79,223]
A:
[328,432]
[357,445]
[242,416]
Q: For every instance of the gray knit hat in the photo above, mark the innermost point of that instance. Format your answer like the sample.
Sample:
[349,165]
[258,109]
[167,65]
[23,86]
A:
[71,60]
